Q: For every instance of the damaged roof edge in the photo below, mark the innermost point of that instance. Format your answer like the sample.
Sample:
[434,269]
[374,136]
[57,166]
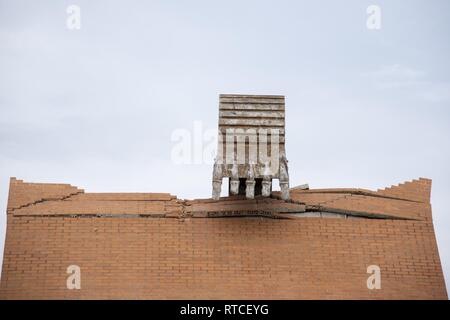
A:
[64,200]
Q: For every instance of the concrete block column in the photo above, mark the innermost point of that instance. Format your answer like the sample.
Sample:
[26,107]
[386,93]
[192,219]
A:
[266,187]
[250,188]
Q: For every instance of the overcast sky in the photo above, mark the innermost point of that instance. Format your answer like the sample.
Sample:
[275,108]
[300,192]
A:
[96,107]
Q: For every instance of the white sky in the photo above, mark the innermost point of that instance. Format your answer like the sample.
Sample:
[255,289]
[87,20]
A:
[96,107]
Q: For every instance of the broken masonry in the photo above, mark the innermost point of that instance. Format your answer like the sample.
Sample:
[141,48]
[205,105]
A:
[251,146]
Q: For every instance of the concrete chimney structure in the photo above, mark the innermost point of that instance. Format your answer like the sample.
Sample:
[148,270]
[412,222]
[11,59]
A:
[251,146]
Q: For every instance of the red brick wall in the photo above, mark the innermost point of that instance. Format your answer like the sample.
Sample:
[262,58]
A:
[224,258]
[159,258]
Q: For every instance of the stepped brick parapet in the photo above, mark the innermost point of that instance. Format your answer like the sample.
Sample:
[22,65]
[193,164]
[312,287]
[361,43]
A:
[316,245]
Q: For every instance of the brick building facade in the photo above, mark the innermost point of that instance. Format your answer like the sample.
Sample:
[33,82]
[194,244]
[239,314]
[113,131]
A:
[317,245]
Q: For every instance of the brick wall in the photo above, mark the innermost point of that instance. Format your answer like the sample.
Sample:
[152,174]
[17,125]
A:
[196,257]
